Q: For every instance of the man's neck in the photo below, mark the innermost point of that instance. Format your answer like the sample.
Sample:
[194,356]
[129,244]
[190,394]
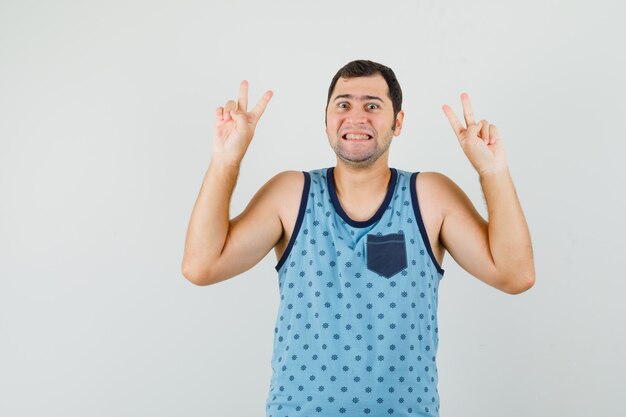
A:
[357,185]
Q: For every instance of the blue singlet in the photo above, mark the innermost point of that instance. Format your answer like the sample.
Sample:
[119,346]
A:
[356,329]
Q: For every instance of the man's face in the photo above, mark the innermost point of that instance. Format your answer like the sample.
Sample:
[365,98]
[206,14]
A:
[360,122]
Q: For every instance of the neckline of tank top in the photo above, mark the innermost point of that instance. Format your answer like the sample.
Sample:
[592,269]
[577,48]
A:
[330,181]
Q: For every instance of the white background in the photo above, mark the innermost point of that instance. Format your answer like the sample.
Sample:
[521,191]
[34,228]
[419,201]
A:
[106,112]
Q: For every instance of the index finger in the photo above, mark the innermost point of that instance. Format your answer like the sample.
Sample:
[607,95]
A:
[242,101]
[258,110]
[454,122]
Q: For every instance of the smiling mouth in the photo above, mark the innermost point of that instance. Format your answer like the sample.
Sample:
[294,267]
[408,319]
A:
[355,137]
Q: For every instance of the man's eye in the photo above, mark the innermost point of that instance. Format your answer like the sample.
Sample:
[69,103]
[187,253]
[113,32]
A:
[372,106]
[343,105]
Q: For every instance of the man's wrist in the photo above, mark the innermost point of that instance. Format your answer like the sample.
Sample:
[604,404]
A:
[494,171]
[218,161]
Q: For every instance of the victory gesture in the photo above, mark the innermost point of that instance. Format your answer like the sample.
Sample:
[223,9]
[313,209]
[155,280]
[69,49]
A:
[480,141]
[234,126]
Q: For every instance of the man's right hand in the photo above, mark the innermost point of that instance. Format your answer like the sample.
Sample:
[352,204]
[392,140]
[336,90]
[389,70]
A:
[234,126]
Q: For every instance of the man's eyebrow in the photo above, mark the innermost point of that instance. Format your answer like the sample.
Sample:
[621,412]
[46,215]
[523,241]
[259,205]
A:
[350,96]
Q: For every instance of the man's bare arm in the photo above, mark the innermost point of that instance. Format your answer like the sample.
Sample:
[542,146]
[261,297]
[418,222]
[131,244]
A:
[209,222]
[218,248]
[509,238]
[499,251]
[209,226]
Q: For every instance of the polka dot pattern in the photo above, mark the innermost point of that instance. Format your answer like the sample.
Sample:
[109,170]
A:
[350,341]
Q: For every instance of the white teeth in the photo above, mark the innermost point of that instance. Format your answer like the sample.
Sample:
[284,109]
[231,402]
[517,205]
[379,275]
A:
[351,136]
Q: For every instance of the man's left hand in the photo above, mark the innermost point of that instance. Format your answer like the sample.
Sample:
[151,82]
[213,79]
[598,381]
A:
[480,141]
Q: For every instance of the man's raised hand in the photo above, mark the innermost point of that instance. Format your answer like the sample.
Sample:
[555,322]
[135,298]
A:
[234,126]
[480,142]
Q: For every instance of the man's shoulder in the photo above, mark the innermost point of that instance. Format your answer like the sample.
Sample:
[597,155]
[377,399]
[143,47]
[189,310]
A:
[423,179]
[433,178]
[288,178]
[286,184]
[286,191]
[293,179]
[435,187]
[439,191]
[425,175]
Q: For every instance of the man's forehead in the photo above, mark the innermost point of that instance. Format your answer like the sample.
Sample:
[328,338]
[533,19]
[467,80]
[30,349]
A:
[373,85]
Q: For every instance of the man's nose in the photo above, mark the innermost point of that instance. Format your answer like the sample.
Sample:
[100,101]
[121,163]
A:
[357,116]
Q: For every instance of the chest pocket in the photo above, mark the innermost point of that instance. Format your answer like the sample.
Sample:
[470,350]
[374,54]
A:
[386,254]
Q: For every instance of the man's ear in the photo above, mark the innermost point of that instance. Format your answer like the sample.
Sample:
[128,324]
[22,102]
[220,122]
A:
[399,120]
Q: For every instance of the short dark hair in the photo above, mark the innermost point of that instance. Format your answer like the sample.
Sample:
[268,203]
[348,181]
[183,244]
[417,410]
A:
[365,68]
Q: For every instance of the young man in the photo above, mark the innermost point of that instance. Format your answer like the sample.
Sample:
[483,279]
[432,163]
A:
[359,249]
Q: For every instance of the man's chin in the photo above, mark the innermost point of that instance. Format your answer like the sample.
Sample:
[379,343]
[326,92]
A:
[358,162]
